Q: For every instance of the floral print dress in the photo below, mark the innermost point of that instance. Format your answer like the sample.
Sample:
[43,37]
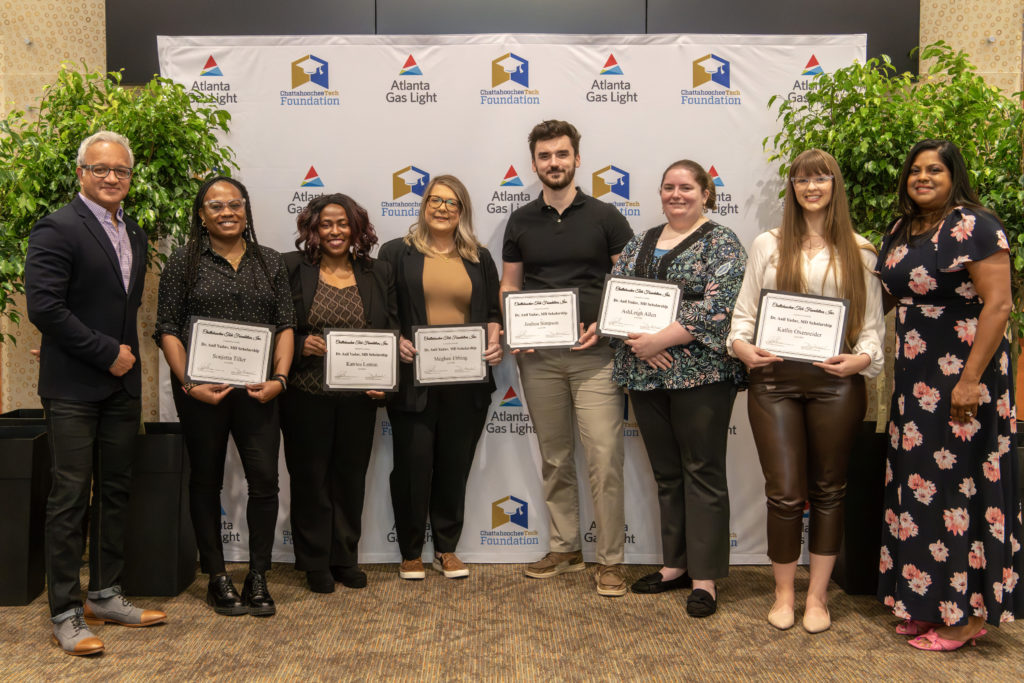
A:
[951,535]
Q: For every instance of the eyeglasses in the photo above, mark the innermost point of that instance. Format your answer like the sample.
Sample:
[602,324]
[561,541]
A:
[235,205]
[101,171]
[435,202]
[817,180]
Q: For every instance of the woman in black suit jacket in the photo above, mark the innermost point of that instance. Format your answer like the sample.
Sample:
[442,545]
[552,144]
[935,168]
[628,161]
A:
[443,277]
[328,435]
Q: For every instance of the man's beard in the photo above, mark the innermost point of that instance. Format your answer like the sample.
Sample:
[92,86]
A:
[567,178]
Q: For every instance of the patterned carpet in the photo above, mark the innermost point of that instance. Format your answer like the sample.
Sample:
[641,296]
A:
[499,625]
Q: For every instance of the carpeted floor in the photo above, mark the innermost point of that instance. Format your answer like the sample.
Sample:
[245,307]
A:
[498,624]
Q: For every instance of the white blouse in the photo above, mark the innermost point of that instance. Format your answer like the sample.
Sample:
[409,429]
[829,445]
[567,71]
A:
[762,261]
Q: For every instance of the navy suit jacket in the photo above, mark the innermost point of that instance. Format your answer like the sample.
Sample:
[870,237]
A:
[76,297]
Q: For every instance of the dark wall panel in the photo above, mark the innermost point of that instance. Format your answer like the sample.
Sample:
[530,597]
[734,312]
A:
[892,25]
[132,26]
[522,16]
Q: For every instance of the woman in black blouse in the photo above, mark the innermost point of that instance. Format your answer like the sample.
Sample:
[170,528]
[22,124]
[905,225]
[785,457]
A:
[222,272]
[328,435]
[444,276]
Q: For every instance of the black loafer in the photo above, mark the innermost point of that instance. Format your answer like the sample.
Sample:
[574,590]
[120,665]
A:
[701,604]
[222,596]
[320,581]
[256,596]
[350,577]
[653,583]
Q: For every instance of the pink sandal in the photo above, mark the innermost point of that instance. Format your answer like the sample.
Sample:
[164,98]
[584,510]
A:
[913,627]
[933,642]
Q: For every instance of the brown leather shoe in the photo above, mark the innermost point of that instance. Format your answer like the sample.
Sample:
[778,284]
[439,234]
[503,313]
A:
[115,608]
[554,564]
[412,570]
[609,580]
[74,637]
[451,566]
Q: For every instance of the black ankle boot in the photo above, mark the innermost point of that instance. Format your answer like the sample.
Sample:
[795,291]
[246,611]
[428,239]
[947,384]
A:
[256,595]
[320,581]
[222,596]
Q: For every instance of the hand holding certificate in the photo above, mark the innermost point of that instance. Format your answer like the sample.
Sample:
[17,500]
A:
[801,327]
[226,352]
[633,305]
[450,354]
[361,360]
[546,318]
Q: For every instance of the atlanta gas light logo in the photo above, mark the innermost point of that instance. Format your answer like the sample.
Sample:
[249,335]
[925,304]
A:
[724,205]
[410,87]
[304,195]
[508,71]
[509,524]
[806,81]
[311,81]
[407,186]
[213,83]
[712,82]
[611,86]
[507,198]
[614,181]
[507,421]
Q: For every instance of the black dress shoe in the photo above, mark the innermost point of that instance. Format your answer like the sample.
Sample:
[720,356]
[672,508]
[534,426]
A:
[700,603]
[222,596]
[350,577]
[256,595]
[320,581]
[653,583]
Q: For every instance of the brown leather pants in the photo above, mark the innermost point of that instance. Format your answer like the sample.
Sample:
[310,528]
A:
[804,422]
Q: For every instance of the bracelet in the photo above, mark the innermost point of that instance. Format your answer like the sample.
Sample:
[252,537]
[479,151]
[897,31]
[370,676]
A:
[283,380]
[187,387]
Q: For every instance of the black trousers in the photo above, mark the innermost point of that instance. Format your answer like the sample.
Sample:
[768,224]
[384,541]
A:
[686,432]
[255,429]
[328,441]
[433,454]
[804,422]
[92,444]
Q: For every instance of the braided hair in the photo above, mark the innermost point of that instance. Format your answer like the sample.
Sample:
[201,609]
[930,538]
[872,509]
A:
[197,230]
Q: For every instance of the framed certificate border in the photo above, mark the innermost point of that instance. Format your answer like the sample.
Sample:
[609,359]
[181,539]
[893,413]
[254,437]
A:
[388,383]
[514,341]
[613,322]
[428,367]
[199,367]
[828,315]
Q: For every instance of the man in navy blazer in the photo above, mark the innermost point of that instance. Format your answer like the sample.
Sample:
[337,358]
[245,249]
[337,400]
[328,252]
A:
[84,274]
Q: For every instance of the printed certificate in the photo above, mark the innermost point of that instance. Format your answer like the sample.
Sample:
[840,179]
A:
[636,305]
[449,354]
[226,352]
[361,360]
[801,327]
[548,318]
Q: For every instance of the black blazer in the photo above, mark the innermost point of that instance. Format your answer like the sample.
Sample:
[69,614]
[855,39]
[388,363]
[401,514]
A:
[407,263]
[376,289]
[76,297]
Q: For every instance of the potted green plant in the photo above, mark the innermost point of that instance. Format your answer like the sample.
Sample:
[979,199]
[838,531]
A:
[868,116]
[174,136]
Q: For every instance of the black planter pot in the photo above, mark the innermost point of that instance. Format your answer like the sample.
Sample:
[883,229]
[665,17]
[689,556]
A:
[856,569]
[24,486]
[160,545]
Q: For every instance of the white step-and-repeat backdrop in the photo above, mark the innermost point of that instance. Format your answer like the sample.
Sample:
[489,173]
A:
[376,116]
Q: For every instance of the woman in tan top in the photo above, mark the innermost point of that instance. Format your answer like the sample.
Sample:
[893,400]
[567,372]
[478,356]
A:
[443,276]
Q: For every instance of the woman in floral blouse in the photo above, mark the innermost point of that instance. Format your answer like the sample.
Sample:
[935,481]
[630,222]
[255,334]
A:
[951,542]
[683,384]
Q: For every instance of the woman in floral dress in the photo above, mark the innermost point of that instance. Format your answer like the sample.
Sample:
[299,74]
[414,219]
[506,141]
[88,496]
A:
[951,542]
[683,384]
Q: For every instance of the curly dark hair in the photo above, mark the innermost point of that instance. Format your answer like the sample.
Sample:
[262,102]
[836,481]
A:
[197,230]
[362,236]
[551,129]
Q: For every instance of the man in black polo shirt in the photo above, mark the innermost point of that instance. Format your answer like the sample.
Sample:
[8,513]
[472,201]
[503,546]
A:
[565,238]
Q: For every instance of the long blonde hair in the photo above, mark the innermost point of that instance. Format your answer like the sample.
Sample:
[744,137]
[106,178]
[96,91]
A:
[845,262]
[466,242]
